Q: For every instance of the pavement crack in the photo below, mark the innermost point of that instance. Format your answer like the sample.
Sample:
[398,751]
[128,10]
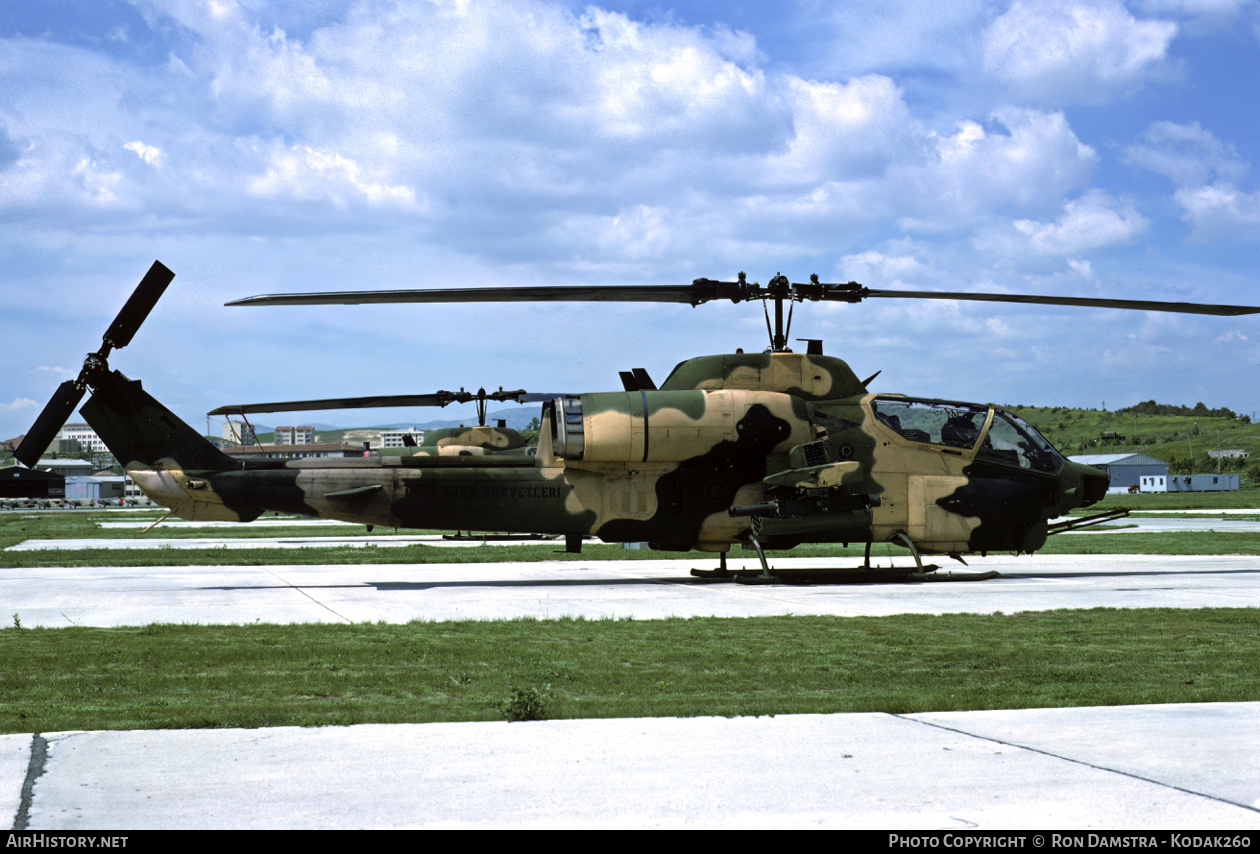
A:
[294,587]
[1082,763]
[35,768]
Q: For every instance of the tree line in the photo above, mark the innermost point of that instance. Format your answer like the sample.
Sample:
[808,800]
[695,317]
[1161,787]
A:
[1200,410]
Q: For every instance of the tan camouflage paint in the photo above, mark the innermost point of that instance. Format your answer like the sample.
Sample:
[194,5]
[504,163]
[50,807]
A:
[490,438]
[613,479]
[186,497]
[914,476]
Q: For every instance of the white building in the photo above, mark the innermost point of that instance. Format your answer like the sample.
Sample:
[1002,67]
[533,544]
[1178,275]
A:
[1191,483]
[395,438]
[238,432]
[133,493]
[85,436]
[294,436]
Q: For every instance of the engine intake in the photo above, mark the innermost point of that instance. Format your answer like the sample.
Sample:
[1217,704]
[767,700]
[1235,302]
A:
[660,426]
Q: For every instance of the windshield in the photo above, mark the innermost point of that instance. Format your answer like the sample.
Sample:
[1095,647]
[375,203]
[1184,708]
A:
[1013,441]
[1010,440]
[955,425]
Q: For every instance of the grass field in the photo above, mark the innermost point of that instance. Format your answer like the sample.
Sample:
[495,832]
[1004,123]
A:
[166,676]
[162,676]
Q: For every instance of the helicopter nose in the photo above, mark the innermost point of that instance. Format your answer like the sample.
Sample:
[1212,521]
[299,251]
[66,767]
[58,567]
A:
[1081,485]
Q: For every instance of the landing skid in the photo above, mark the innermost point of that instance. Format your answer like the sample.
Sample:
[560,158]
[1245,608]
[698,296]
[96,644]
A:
[842,575]
[473,537]
[839,575]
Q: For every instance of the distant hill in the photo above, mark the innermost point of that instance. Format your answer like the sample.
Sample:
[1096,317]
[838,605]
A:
[1169,437]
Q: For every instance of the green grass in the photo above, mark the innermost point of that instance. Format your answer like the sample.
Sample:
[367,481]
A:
[165,676]
[1238,499]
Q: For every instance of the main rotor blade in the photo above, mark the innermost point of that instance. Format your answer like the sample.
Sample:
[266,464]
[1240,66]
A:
[1087,302]
[138,306]
[441,398]
[701,290]
[437,398]
[49,423]
[706,290]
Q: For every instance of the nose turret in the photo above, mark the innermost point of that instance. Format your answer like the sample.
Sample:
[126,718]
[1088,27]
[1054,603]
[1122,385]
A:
[1080,486]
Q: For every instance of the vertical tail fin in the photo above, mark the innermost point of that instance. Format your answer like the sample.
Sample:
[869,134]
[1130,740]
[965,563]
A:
[140,431]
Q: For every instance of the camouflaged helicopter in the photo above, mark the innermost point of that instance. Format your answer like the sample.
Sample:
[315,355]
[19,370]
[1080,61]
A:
[768,450]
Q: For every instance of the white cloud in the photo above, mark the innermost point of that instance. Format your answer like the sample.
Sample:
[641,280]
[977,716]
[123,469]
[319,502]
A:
[150,154]
[1071,51]
[878,269]
[974,172]
[862,35]
[1204,169]
[526,71]
[18,404]
[1220,210]
[97,185]
[1200,12]
[640,231]
[1093,221]
[844,130]
[1193,7]
[494,118]
[506,127]
[307,173]
[1185,153]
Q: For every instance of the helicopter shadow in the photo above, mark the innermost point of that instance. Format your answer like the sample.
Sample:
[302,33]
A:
[509,584]
[393,586]
[814,578]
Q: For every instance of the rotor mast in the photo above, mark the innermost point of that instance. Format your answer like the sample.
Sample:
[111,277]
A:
[778,289]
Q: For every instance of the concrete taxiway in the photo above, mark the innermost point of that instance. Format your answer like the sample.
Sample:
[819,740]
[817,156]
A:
[640,589]
[1182,766]
[1171,766]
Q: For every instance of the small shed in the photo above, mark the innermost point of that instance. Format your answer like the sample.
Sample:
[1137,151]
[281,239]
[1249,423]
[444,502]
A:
[102,488]
[1202,482]
[1125,470]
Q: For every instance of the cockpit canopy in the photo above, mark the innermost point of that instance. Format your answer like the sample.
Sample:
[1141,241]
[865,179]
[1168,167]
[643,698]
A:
[995,434]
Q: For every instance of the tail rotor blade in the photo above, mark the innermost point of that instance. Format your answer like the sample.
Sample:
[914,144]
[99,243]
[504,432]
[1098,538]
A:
[49,423]
[141,302]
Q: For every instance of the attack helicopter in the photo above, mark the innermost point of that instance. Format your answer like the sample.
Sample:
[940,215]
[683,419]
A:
[768,450]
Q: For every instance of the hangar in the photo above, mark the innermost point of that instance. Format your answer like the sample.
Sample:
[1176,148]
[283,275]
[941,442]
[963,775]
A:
[19,482]
[1125,470]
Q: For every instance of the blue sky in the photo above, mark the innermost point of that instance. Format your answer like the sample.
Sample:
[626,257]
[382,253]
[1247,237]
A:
[1078,148]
